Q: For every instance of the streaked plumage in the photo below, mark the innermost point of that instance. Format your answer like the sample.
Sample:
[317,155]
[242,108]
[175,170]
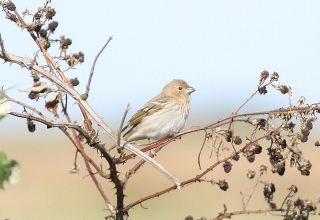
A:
[162,116]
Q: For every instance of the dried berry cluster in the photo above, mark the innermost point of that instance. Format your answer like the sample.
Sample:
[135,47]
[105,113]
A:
[43,16]
[8,8]
[40,18]
[301,209]
[251,150]
[284,137]
[268,190]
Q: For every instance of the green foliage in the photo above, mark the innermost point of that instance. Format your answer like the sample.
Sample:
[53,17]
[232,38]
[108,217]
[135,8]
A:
[9,170]
[4,106]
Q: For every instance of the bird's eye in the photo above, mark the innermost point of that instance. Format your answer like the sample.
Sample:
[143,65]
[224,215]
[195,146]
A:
[180,87]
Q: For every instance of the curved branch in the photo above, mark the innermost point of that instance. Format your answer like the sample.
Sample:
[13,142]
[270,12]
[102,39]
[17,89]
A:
[84,106]
[94,64]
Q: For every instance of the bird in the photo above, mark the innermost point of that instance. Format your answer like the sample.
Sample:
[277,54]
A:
[163,116]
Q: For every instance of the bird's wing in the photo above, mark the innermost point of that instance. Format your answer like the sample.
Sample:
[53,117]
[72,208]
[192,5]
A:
[153,106]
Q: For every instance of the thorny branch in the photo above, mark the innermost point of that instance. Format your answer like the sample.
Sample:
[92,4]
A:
[86,107]
[63,127]
[272,133]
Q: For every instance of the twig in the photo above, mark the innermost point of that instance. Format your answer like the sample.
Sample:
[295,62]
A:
[189,181]
[202,146]
[253,94]
[230,214]
[290,194]
[89,161]
[134,169]
[4,56]
[48,58]
[86,108]
[242,201]
[2,46]
[252,191]
[75,141]
[63,126]
[122,122]
[94,64]
[155,145]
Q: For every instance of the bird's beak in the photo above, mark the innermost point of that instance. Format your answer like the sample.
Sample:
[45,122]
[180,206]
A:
[190,90]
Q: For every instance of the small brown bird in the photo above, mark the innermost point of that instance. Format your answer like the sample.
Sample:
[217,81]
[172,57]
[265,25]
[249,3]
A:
[162,116]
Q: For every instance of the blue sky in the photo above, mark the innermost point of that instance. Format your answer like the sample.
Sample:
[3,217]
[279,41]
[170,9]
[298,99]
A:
[218,47]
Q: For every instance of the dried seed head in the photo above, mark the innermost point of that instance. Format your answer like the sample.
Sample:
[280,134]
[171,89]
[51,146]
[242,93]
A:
[37,15]
[223,185]
[34,95]
[305,132]
[50,13]
[274,76]
[251,158]
[259,123]
[281,169]
[293,188]
[31,125]
[45,42]
[298,202]
[310,206]
[52,104]
[268,190]
[254,148]
[302,100]
[74,82]
[291,126]
[305,172]
[43,33]
[52,26]
[228,135]
[308,165]
[65,42]
[79,56]
[35,77]
[262,90]
[227,166]
[237,140]
[264,75]
[236,157]
[9,5]
[317,143]
[303,138]
[251,174]
[309,125]
[292,162]
[263,169]
[275,155]
[11,17]
[283,89]
[282,143]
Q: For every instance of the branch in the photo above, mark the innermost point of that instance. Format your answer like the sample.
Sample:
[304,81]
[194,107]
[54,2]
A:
[244,205]
[229,214]
[63,127]
[195,179]
[3,51]
[86,107]
[122,122]
[94,64]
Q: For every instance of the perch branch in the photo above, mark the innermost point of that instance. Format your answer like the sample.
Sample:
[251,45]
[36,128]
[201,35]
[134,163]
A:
[85,107]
